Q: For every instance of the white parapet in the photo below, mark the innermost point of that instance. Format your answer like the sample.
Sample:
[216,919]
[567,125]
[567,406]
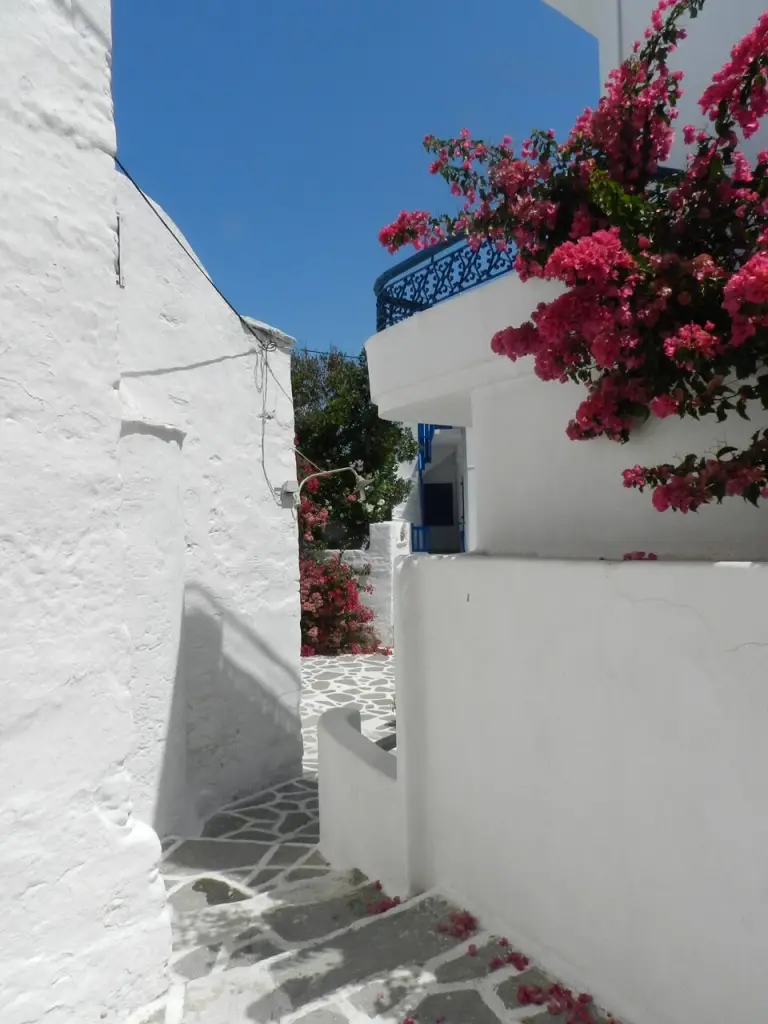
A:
[362,822]
[581,748]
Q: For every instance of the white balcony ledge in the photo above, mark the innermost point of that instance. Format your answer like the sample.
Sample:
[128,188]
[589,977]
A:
[424,369]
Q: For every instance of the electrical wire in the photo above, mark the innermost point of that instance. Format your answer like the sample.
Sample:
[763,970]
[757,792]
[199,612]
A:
[268,346]
[261,367]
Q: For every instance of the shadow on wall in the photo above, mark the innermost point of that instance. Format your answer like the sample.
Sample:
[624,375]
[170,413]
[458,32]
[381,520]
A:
[234,726]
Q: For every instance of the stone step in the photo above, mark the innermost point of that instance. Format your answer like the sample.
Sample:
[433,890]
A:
[343,957]
[265,930]
[214,919]
[407,964]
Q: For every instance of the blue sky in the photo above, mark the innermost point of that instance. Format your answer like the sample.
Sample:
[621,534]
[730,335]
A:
[282,134]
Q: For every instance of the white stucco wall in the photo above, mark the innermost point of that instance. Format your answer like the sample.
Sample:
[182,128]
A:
[617,24]
[596,791]
[362,809]
[213,598]
[84,932]
[539,493]
[152,518]
[711,37]
[457,442]
[389,544]
[410,509]
[424,369]
[532,490]
[470,490]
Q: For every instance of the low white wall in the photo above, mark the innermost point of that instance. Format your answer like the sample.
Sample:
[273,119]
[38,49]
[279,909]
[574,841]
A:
[538,493]
[583,750]
[211,596]
[361,807]
[389,544]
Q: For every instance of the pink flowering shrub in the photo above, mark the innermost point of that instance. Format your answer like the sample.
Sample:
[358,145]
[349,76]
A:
[666,308]
[333,618]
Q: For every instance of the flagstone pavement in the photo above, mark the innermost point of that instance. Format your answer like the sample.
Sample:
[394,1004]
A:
[264,929]
[367,680]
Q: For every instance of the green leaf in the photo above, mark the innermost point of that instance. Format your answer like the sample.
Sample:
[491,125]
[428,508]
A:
[639,411]
[728,450]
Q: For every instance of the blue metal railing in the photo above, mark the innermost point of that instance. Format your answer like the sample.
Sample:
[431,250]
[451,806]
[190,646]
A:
[419,539]
[433,275]
[444,270]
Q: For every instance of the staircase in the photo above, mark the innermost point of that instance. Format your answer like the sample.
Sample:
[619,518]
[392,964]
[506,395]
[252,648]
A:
[265,930]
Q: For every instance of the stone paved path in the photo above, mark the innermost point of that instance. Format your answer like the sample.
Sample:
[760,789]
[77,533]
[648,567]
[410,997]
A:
[367,680]
[265,930]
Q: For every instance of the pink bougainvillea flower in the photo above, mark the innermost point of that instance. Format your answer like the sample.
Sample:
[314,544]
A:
[664,307]
[663,406]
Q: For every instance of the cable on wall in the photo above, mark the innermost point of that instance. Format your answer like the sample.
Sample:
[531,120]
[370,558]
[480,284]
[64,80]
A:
[261,366]
[266,345]
[261,370]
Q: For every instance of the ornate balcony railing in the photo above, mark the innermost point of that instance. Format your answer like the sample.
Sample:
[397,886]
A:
[442,271]
[433,275]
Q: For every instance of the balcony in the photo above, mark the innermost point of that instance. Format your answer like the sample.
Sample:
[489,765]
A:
[435,315]
[441,273]
[436,274]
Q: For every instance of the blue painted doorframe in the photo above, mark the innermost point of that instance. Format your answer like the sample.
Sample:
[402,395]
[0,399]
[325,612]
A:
[420,539]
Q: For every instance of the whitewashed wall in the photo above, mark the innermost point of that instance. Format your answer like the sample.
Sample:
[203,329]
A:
[459,444]
[617,24]
[539,493]
[389,544]
[212,598]
[410,509]
[721,24]
[362,805]
[597,790]
[84,932]
[533,491]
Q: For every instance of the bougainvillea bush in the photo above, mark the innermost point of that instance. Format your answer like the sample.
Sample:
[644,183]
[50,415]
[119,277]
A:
[665,311]
[333,618]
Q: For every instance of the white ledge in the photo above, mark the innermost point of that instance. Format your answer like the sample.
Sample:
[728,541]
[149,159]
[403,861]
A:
[343,725]
[270,335]
[362,807]
[424,369]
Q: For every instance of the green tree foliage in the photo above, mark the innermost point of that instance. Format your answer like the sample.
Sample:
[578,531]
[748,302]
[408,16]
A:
[338,425]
